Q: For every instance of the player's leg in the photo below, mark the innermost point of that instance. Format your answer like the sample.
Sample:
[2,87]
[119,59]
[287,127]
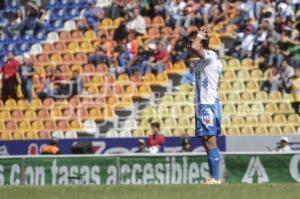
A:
[213,156]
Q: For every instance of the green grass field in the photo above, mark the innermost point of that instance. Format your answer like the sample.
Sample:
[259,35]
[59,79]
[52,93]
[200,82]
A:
[267,191]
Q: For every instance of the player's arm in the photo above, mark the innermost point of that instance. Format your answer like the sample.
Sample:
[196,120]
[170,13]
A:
[195,45]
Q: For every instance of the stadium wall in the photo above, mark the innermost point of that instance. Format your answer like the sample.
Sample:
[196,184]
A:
[148,169]
[127,145]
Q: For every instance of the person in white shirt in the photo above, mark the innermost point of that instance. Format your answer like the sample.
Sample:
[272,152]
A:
[208,69]
[247,43]
[175,11]
[137,23]
[283,146]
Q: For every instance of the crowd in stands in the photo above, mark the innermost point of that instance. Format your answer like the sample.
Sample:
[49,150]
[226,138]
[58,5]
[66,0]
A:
[266,31]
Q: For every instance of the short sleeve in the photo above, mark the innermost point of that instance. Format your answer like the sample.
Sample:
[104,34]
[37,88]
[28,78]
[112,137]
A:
[209,55]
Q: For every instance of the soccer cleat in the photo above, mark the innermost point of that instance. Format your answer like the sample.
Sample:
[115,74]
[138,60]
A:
[212,181]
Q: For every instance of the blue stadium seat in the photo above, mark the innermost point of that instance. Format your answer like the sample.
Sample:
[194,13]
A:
[53,4]
[12,5]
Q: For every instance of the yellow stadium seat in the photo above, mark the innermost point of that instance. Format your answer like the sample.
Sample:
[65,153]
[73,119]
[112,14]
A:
[178,68]
[225,87]
[149,112]
[251,120]
[188,110]
[163,112]
[30,114]
[37,125]
[97,80]
[246,96]
[183,123]
[285,107]
[5,115]
[238,86]
[252,86]
[222,97]
[275,96]
[170,122]
[95,114]
[73,47]
[271,108]
[288,97]
[22,104]
[229,109]
[243,75]
[237,120]
[138,133]
[265,119]
[226,121]
[31,135]
[18,135]
[260,130]
[56,58]
[90,35]
[144,91]
[185,88]
[247,63]
[279,119]
[5,136]
[246,130]
[167,98]
[24,125]
[274,130]
[293,119]
[233,97]
[10,104]
[261,96]
[108,114]
[149,79]
[36,103]
[75,125]
[229,75]
[256,108]
[86,47]
[243,108]
[93,90]
[190,131]
[179,98]
[167,132]
[256,75]
[162,79]
[288,130]
[176,111]
[123,78]
[107,23]
[56,113]
[233,64]
[232,131]
[145,123]
[179,132]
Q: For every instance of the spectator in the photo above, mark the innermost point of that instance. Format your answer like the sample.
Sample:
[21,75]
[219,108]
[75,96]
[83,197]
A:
[275,57]
[180,51]
[286,72]
[136,22]
[203,12]
[175,13]
[61,87]
[93,15]
[273,80]
[293,86]
[134,66]
[48,88]
[141,147]
[159,60]
[247,43]
[155,141]
[16,24]
[186,145]
[77,83]
[51,149]
[9,77]
[283,146]
[99,57]
[25,75]
[114,10]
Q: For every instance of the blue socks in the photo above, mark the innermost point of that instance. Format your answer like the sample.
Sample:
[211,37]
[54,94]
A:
[213,156]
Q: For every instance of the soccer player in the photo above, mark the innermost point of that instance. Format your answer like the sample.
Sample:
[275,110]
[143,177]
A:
[208,68]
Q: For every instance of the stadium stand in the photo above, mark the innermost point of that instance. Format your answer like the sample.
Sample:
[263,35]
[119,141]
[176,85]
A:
[105,58]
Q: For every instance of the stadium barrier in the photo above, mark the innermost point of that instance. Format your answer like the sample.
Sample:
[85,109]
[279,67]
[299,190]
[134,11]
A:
[188,168]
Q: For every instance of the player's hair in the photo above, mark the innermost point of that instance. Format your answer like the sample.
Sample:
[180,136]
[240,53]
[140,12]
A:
[156,125]
[193,35]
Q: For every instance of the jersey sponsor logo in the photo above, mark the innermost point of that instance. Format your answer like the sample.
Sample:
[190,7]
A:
[206,116]
[204,84]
